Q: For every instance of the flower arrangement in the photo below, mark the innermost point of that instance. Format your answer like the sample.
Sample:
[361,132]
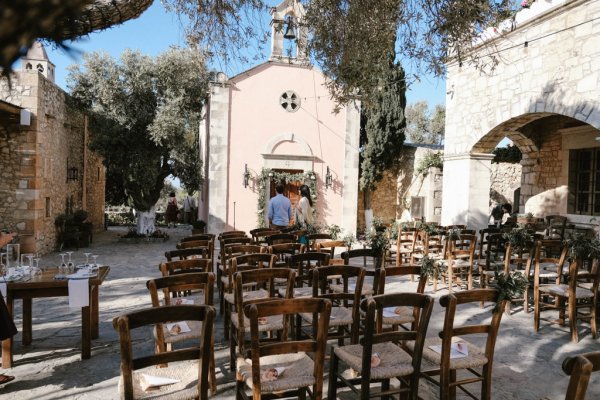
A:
[527,3]
[334,230]
[349,240]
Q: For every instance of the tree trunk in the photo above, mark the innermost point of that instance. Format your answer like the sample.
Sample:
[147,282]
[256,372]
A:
[145,221]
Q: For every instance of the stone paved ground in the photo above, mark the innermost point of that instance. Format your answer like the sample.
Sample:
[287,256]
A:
[526,365]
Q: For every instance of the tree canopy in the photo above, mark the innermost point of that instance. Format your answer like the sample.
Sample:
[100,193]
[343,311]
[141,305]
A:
[145,114]
[383,134]
[424,125]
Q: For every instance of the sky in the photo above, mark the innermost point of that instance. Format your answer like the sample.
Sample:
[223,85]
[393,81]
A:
[155,30]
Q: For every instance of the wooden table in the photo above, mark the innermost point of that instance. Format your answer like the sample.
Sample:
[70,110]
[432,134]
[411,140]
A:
[45,285]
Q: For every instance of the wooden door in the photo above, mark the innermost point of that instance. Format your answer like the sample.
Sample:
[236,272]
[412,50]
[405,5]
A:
[291,190]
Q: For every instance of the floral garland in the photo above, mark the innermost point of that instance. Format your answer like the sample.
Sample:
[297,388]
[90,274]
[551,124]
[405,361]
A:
[266,174]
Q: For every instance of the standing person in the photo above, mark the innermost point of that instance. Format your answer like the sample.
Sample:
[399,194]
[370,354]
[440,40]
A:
[7,325]
[189,209]
[304,210]
[172,210]
[280,209]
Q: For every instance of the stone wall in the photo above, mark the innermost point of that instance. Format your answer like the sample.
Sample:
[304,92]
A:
[506,179]
[39,156]
[392,198]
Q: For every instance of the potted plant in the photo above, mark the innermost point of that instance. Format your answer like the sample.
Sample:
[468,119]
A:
[198,227]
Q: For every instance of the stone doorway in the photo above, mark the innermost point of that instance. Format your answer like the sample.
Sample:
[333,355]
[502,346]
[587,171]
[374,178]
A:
[291,190]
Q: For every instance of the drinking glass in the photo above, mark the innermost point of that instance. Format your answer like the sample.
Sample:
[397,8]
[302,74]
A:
[70,264]
[95,265]
[13,257]
[62,268]
[3,268]
[87,259]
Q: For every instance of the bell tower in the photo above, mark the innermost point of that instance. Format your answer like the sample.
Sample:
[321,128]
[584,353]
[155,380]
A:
[37,60]
[288,33]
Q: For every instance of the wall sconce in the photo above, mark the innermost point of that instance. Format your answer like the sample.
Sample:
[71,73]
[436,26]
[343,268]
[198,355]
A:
[271,174]
[328,179]
[246,176]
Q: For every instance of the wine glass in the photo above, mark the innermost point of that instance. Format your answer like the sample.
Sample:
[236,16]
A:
[95,265]
[70,265]
[87,259]
[62,268]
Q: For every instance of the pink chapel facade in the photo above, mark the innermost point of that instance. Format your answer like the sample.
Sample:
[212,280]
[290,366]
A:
[277,116]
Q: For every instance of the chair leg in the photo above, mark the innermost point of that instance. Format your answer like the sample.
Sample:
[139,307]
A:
[486,383]
[385,385]
[232,348]
[536,310]
[573,321]
[333,371]
[452,389]
[239,388]
[212,374]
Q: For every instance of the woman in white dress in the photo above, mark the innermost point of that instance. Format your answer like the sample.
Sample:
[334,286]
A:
[304,211]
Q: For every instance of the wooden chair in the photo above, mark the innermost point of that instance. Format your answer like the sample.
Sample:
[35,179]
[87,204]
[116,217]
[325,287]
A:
[520,260]
[569,298]
[240,263]
[579,368]
[401,315]
[440,363]
[239,238]
[430,245]
[329,248]
[493,261]
[199,252]
[315,238]
[365,258]
[189,365]
[460,259]
[259,235]
[195,243]
[345,321]
[198,290]
[393,360]
[230,234]
[405,245]
[555,226]
[284,250]
[227,252]
[482,242]
[185,266]
[262,287]
[303,264]
[303,360]
[279,238]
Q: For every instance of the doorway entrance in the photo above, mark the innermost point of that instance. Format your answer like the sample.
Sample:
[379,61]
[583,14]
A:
[291,189]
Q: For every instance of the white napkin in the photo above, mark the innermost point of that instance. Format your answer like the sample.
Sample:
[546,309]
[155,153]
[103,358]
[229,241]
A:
[79,293]
[182,327]
[3,289]
[150,381]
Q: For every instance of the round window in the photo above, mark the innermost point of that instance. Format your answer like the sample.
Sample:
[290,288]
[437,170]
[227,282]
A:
[290,101]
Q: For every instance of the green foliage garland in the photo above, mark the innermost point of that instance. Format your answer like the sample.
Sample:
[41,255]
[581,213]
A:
[511,286]
[429,268]
[281,177]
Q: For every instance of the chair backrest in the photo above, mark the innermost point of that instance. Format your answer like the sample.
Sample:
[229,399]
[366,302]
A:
[462,248]
[579,368]
[182,254]
[279,238]
[315,345]
[520,257]
[303,263]
[248,262]
[329,246]
[451,302]
[259,234]
[284,250]
[549,251]
[495,252]
[234,250]
[182,283]
[361,257]
[124,324]
[483,240]
[374,332]
[229,234]
[185,266]
[200,236]
[194,243]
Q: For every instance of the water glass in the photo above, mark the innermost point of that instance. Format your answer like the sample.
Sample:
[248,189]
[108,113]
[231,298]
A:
[13,252]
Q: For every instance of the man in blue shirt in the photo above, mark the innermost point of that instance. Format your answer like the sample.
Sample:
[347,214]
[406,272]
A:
[280,209]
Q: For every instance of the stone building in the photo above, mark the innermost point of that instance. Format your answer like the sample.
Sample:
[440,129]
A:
[46,166]
[538,84]
[404,194]
[275,119]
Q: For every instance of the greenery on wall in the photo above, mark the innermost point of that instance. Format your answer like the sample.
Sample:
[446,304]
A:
[509,154]
[281,177]
[430,160]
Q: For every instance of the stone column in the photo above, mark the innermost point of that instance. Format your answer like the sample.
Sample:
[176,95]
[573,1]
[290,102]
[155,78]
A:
[350,195]
[466,190]
[218,159]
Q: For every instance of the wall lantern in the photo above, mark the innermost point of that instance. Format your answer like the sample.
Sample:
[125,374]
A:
[312,176]
[328,179]
[271,174]
[246,176]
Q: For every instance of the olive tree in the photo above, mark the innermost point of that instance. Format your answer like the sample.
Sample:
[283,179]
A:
[145,115]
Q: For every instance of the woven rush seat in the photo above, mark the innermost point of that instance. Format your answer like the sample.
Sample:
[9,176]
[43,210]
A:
[339,316]
[305,291]
[195,329]
[298,371]
[187,388]
[476,357]
[404,316]
[251,295]
[274,323]
[563,290]
[367,289]
[394,360]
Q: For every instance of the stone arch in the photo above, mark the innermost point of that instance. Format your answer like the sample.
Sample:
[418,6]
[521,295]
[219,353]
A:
[288,137]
